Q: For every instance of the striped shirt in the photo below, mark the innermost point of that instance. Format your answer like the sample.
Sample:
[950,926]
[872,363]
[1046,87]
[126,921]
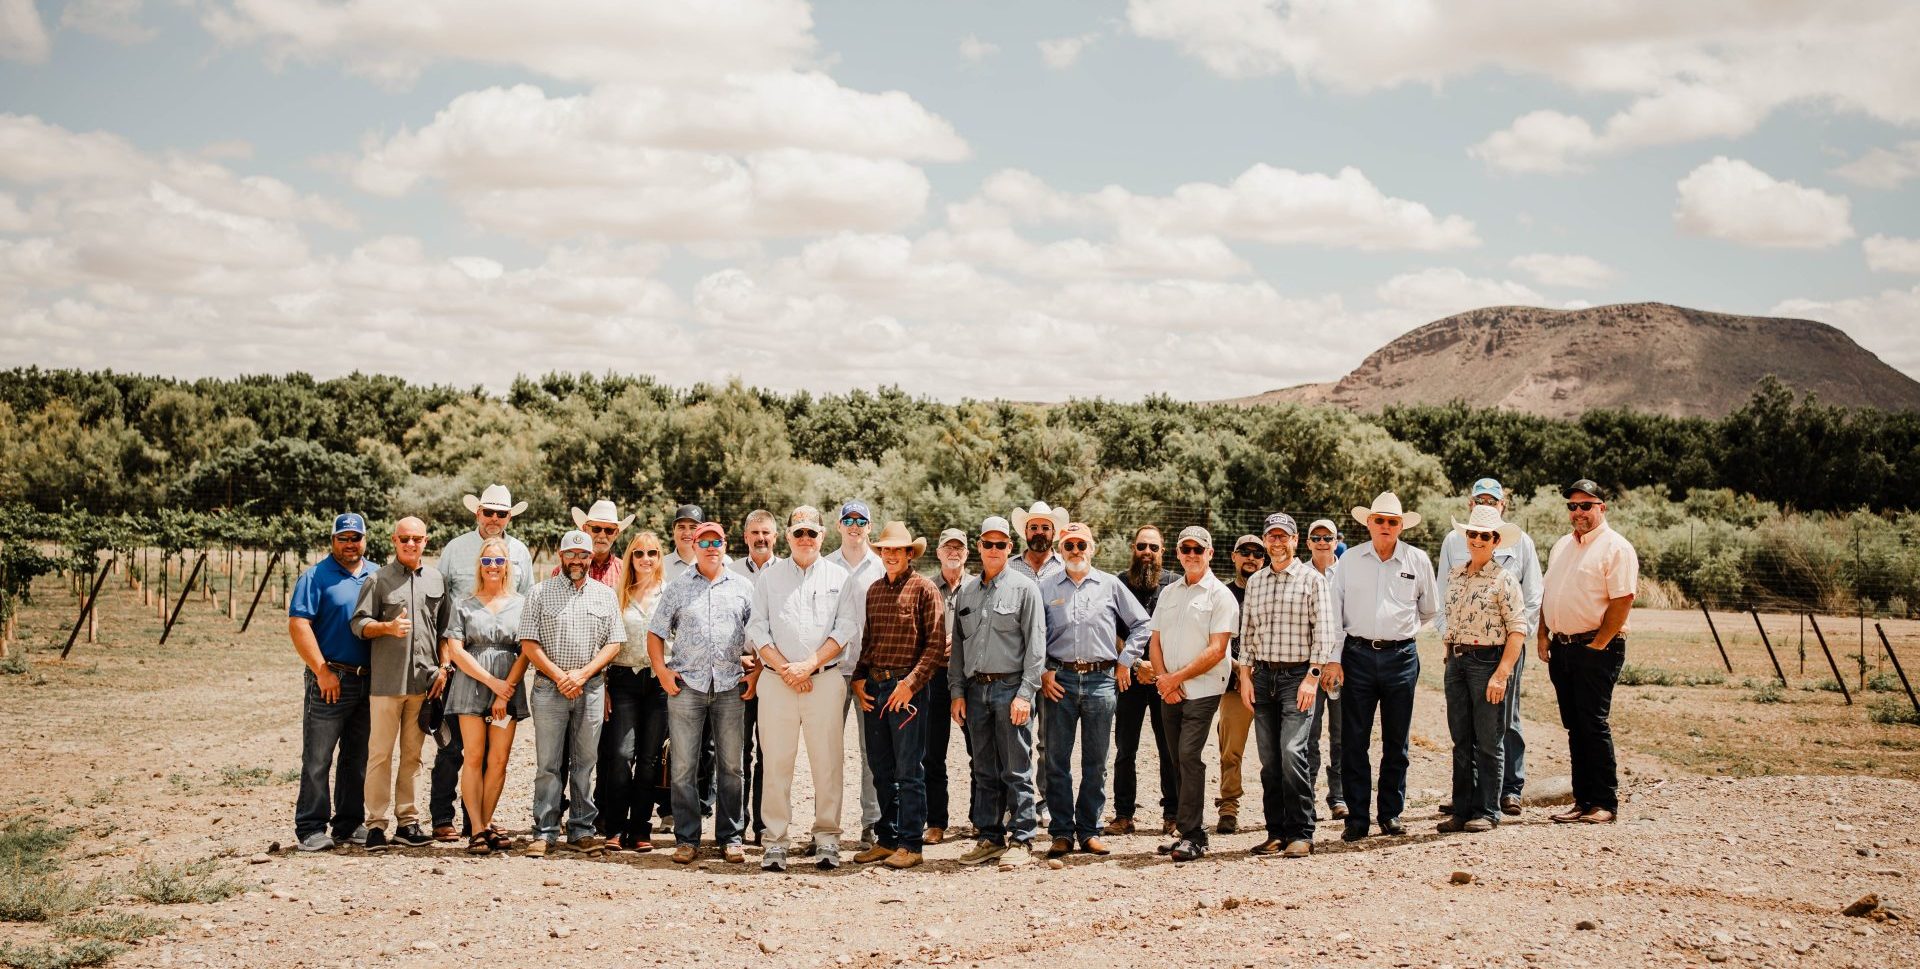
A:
[572,624]
[1287,617]
[706,620]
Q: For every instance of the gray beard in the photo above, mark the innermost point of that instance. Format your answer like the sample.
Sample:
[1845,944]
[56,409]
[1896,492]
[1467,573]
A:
[576,572]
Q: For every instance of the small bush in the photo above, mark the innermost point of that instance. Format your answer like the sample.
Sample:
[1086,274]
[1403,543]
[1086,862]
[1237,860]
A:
[1889,709]
[1769,692]
[114,926]
[14,665]
[246,776]
[86,952]
[29,843]
[172,884]
[1883,683]
[28,895]
[1631,675]
[1829,685]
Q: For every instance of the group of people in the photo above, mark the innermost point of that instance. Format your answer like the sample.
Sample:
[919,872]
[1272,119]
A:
[674,681]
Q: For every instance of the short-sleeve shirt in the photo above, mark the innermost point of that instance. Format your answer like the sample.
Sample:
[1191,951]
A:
[1187,615]
[325,596]
[460,563]
[1582,574]
[572,624]
[478,628]
[1484,607]
[706,620]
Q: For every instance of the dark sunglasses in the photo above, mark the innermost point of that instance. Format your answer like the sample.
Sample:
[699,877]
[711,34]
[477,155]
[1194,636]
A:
[1325,539]
[803,533]
[1252,550]
[491,560]
[1193,550]
[603,529]
[1481,536]
[349,539]
[852,522]
[1583,505]
[1383,520]
[645,553]
[995,544]
[493,513]
[710,543]
[1073,546]
[410,539]
[1485,500]
[1145,547]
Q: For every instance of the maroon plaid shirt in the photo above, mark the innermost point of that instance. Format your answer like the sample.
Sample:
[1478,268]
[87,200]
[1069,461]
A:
[906,627]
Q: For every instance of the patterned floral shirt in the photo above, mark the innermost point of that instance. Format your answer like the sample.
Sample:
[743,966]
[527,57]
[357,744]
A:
[1484,606]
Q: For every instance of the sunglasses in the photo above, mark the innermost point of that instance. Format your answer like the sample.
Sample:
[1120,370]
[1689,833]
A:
[574,554]
[493,513]
[644,553]
[1074,546]
[1485,500]
[1383,520]
[803,533]
[1322,539]
[1192,550]
[492,560]
[1145,547]
[349,539]
[852,522]
[995,544]
[1251,550]
[710,543]
[1583,505]
[1481,536]
[603,529]
[410,539]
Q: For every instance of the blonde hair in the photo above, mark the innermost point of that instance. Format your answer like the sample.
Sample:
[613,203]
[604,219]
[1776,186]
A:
[631,588]
[506,552]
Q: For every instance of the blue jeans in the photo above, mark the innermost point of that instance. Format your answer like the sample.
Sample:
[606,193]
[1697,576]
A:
[566,730]
[1002,763]
[1326,711]
[1284,733]
[1088,707]
[342,726]
[1516,777]
[1479,732]
[631,746]
[693,717]
[1380,679]
[897,751]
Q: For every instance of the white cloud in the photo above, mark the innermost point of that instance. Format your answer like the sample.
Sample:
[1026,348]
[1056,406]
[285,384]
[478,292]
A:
[1732,200]
[23,37]
[576,40]
[1892,254]
[12,217]
[976,50]
[114,20]
[1434,293]
[1882,323]
[1061,53]
[1691,70]
[1884,167]
[1549,269]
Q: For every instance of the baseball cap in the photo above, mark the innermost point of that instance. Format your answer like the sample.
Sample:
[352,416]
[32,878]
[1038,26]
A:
[805,516]
[709,528]
[1488,486]
[1245,540]
[951,535]
[995,523]
[349,522]
[856,508]
[688,513]
[1326,523]
[1584,484]
[1282,521]
[1079,530]
[1194,533]
[576,541]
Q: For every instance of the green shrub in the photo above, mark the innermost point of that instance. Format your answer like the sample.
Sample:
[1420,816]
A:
[86,952]
[113,926]
[28,895]
[176,884]
[1631,675]
[1769,692]
[246,776]
[1889,709]
[29,843]
[14,665]
[1883,683]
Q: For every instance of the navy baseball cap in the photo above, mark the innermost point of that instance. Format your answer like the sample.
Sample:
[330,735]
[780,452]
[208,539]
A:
[857,508]
[349,522]
[1488,486]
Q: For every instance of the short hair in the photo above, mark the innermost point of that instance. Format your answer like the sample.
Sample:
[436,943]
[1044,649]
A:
[1156,529]
[762,515]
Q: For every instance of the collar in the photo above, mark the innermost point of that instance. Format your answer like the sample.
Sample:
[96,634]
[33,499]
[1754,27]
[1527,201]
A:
[1094,575]
[366,566]
[1293,568]
[1596,533]
[1366,548]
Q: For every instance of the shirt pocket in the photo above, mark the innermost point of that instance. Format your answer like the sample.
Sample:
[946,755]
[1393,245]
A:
[1006,617]
[393,602]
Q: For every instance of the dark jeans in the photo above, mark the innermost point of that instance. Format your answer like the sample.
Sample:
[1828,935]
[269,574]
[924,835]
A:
[1516,748]
[630,749]
[1141,701]
[1086,711]
[1189,723]
[897,753]
[1479,731]
[1583,678]
[1326,711]
[1380,679]
[343,726]
[444,793]
[1002,764]
[939,732]
[1284,733]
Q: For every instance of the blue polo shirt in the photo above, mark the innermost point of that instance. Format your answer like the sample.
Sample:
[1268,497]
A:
[325,596]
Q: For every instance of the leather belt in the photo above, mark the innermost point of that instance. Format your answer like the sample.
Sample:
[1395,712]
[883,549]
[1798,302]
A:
[1573,639]
[1276,666]
[1460,649]
[1381,643]
[1099,667]
[344,668]
[993,677]
[885,674]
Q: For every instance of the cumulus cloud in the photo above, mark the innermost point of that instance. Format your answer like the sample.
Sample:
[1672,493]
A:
[1548,269]
[1892,254]
[976,50]
[23,37]
[1438,292]
[1730,199]
[1061,53]
[1884,167]
[1692,70]
[575,40]
[114,20]
[1882,323]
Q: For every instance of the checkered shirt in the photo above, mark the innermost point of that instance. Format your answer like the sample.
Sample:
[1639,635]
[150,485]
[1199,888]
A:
[1288,617]
[572,625]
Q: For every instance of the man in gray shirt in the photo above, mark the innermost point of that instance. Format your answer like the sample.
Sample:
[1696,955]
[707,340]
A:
[401,612]
[999,651]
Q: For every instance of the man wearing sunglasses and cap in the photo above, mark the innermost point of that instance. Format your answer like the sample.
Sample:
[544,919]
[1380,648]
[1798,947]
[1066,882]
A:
[1522,560]
[604,524]
[951,551]
[1236,717]
[1592,577]
[1192,623]
[1324,549]
[863,566]
[686,518]
[334,716]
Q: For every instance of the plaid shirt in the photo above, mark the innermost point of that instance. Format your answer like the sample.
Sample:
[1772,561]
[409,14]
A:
[572,624]
[1288,617]
[906,627]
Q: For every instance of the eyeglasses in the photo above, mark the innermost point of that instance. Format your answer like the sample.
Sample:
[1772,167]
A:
[644,553]
[1583,505]
[575,553]
[1485,500]
[1193,550]
[348,539]
[492,560]
[493,513]
[410,539]
[995,545]
[1145,547]
[711,543]
[803,533]
[1481,536]
[1073,546]
[603,529]
[1384,520]
[1250,550]
[1322,539]
[852,522]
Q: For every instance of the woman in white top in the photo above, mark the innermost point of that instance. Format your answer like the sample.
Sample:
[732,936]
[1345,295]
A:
[483,644]
[636,733]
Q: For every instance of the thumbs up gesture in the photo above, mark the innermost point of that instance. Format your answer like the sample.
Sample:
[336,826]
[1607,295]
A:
[401,625]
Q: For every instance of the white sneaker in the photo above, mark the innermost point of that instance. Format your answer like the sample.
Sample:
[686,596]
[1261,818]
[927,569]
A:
[317,841]
[826,855]
[774,860]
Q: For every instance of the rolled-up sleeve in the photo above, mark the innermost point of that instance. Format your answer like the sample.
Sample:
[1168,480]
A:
[363,606]
[1033,622]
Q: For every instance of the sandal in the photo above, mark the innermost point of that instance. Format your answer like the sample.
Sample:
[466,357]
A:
[479,844]
[498,839]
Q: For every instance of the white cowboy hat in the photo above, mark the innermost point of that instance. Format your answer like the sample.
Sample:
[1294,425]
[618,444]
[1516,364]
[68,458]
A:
[1040,510]
[1387,503]
[895,536]
[604,512]
[1486,518]
[496,497]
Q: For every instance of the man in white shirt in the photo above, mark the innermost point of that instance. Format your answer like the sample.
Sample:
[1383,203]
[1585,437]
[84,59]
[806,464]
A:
[1192,623]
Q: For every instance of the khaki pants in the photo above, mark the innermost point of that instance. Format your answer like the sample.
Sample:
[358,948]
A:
[1235,720]
[393,717]
[785,718]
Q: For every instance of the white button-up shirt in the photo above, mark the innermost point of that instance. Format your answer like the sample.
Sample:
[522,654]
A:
[795,610]
[1389,598]
[1186,617]
[853,601]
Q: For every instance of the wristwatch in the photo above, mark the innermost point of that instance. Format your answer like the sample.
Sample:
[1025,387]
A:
[1313,671]
[446,668]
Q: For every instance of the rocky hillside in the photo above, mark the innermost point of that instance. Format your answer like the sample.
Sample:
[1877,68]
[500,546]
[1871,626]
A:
[1642,356]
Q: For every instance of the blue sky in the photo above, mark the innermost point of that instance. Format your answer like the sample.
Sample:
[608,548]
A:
[964,198]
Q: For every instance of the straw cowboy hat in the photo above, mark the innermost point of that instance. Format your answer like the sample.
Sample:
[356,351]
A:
[1486,518]
[1387,503]
[1040,510]
[495,497]
[895,536]
[604,512]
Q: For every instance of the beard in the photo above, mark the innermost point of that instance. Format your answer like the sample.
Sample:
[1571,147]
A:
[1144,573]
[1039,543]
[576,572]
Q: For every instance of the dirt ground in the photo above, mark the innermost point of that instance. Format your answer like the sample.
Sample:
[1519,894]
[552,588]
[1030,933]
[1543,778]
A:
[1749,825]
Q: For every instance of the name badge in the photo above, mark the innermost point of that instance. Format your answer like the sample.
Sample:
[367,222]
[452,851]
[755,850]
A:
[1406,575]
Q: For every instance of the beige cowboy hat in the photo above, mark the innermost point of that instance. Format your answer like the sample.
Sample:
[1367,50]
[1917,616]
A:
[1486,518]
[1387,503]
[1040,510]
[495,497]
[895,536]
[604,512]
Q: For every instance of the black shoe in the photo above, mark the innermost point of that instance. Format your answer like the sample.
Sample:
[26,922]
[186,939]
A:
[1167,849]
[1229,824]
[412,837]
[1446,807]
[377,839]
[1392,826]
[1353,834]
[1187,851]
